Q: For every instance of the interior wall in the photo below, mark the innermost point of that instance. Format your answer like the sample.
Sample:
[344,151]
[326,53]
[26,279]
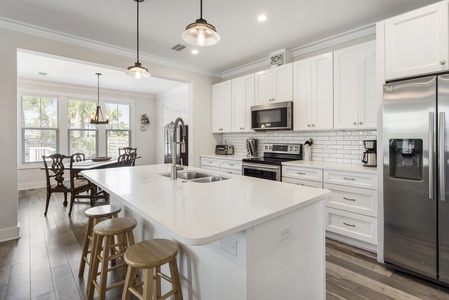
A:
[169,107]
[200,93]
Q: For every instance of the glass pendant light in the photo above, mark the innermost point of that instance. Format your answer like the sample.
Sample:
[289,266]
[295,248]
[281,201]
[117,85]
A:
[97,117]
[138,71]
[201,33]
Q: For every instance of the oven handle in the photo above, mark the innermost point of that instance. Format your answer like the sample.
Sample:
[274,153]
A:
[261,167]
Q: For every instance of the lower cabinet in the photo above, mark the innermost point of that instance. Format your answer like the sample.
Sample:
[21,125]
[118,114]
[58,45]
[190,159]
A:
[351,211]
[227,165]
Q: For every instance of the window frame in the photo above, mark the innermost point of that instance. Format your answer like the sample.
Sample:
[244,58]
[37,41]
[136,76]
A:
[120,130]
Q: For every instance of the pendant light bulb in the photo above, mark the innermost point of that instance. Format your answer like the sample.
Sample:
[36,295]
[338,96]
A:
[138,71]
[201,33]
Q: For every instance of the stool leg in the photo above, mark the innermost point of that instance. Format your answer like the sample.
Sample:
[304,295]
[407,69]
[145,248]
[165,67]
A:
[158,282]
[104,268]
[130,275]
[148,283]
[94,262]
[85,247]
[175,279]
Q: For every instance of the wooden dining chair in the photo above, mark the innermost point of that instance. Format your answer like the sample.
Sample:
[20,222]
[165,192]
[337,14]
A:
[127,159]
[80,187]
[54,173]
[126,150]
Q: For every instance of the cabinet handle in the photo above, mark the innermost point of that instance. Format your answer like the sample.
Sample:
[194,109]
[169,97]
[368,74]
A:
[345,178]
[313,125]
[349,199]
[443,62]
[300,173]
[355,123]
[350,225]
[308,125]
[360,122]
[231,165]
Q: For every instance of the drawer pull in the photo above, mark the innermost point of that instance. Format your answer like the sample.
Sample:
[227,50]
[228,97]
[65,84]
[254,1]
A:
[300,173]
[350,225]
[349,199]
[346,178]
[231,165]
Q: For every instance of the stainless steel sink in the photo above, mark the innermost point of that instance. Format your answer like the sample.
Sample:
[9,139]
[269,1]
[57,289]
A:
[197,176]
[210,179]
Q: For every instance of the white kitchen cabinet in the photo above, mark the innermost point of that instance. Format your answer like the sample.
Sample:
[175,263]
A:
[351,211]
[209,163]
[275,84]
[313,93]
[242,100]
[303,176]
[355,101]
[417,42]
[231,166]
[221,107]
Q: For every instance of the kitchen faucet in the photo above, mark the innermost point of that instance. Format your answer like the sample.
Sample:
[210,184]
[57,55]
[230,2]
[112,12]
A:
[174,167]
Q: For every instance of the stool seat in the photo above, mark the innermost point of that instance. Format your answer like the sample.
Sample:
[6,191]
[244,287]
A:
[102,211]
[151,253]
[115,226]
[149,256]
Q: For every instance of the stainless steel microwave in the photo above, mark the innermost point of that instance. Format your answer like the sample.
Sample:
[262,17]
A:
[272,116]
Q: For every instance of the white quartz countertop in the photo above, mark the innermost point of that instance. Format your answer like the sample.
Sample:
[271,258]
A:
[233,157]
[201,213]
[331,166]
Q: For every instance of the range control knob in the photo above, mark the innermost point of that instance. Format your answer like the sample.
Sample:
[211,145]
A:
[266,147]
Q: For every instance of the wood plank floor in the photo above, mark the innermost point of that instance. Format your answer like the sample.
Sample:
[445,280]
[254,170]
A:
[44,263]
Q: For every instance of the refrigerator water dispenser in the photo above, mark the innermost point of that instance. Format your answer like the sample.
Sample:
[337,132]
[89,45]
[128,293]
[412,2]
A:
[406,159]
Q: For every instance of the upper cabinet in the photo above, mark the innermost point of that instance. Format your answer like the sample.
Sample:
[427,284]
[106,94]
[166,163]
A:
[221,107]
[355,101]
[313,93]
[417,42]
[274,84]
[242,100]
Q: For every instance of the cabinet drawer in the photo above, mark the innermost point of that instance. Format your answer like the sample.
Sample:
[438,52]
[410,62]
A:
[231,164]
[352,225]
[362,201]
[210,162]
[309,183]
[231,171]
[303,173]
[362,180]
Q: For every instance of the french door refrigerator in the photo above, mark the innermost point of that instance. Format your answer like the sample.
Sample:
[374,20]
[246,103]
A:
[415,172]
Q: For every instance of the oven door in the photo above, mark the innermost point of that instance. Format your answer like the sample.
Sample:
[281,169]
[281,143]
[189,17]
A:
[269,172]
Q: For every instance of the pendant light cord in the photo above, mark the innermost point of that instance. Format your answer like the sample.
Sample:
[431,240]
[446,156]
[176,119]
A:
[137,30]
[98,89]
[201,9]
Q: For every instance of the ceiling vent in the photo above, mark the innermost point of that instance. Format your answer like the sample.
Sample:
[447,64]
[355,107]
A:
[178,47]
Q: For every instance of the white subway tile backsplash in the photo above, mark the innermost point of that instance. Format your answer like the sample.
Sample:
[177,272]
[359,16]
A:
[329,146]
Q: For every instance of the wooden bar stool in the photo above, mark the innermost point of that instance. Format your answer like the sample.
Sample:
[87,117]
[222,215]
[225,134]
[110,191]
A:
[111,238]
[95,215]
[150,255]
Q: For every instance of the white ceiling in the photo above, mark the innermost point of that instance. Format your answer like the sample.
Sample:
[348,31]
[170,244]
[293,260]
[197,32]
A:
[291,24]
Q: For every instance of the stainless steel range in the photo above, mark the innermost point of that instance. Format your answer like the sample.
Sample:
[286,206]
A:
[270,165]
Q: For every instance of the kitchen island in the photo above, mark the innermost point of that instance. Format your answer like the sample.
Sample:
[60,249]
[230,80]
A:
[239,238]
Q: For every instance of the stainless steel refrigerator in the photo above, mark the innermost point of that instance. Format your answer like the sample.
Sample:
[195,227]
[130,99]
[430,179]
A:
[415,172]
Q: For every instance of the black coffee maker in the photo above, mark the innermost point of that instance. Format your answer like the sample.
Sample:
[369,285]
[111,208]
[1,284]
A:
[369,156]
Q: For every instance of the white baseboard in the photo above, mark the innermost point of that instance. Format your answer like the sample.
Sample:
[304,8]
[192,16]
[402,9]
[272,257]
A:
[32,185]
[12,233]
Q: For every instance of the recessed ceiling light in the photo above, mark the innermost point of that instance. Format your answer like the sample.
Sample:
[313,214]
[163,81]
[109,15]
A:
[194,52]
[262,18]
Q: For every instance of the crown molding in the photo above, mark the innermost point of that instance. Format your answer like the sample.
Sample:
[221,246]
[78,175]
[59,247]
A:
[347,36]
[95,45]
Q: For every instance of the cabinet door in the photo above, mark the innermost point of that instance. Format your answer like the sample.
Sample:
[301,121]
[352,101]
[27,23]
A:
[369,103]
[322,91]
[417,42]
[302,91]
[346,88]
[282,83]
[221,107]
[264,86]
[242,100]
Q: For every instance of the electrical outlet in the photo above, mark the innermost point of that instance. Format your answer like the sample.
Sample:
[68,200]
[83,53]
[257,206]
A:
[285,233]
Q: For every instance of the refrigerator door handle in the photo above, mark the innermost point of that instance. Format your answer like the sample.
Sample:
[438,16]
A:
[431,133]
[441,149]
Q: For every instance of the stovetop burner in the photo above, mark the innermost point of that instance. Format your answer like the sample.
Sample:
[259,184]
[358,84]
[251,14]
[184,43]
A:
[276,154]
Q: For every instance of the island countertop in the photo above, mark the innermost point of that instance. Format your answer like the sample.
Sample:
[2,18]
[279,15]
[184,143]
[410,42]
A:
[202,213]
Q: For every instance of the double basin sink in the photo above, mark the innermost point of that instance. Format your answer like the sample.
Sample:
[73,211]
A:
[197,177]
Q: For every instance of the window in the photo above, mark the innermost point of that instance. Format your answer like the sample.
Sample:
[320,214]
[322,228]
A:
[118,130]
[82,135]
[40,130]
